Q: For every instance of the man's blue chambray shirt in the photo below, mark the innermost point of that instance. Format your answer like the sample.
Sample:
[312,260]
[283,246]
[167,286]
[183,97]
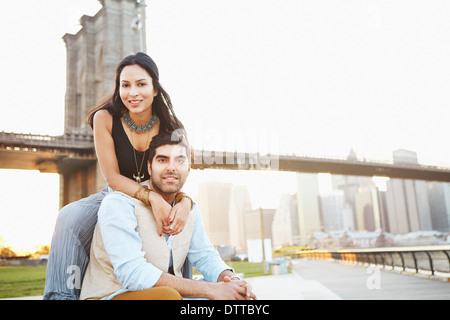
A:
[118,224]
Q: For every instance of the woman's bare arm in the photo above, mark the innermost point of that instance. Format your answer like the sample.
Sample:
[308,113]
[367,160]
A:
[106,155]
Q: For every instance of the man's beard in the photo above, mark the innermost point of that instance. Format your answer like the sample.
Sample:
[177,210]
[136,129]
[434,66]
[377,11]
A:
[164,188]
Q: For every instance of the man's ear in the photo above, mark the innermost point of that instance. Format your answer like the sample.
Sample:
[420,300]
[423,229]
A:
[149,167]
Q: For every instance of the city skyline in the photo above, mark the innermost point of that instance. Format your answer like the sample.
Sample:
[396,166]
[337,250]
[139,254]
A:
[327,186]
[360,207]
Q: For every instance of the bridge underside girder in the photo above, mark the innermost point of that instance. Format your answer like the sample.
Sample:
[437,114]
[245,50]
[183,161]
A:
[236,161]
[65,162]
[360,168]
[46,162]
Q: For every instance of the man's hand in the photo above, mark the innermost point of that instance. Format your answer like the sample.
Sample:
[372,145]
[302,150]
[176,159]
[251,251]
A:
[249,295]
[223,290]
[230,290]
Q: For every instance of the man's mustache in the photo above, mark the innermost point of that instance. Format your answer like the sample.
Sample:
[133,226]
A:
[172,175]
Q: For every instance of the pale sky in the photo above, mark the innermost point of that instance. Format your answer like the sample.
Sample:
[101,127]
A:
[314,77]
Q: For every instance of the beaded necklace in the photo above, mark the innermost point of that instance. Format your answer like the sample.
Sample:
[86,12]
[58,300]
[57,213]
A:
[137,127]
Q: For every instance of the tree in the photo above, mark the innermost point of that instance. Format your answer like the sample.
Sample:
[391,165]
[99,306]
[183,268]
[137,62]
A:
[6,252]
[41,250]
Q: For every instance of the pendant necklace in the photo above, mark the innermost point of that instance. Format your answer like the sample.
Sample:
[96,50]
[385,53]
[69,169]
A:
[139,177]
[139,129]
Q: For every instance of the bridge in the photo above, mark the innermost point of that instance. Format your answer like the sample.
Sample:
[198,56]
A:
[48,154]
[71,151]
[249,161]
[72,154]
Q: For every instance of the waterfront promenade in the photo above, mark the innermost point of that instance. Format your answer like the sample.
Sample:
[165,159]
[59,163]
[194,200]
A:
[323,280]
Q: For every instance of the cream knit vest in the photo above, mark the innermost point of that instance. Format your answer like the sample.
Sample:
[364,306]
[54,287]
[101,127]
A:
[100,281]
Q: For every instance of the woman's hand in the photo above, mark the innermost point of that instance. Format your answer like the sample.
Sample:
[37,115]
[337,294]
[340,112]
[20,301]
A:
[161,210]
[178,217]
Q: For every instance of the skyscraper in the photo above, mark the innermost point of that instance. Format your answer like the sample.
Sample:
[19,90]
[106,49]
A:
[308,205]
[214,203]
[439,196]
[407,201]
[285,228]
[223,207]
[332,210]
[350,185]
[239,204]
[368,211]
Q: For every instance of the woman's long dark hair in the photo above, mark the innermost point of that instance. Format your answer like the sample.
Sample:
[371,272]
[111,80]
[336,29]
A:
[162,105]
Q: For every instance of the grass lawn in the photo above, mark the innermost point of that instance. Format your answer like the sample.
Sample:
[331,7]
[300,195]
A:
[22,281]
[249,269]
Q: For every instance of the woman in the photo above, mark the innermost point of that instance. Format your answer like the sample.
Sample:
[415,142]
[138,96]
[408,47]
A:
[123,124]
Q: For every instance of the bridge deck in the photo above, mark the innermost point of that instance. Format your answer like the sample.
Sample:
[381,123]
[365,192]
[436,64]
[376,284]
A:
[49,154]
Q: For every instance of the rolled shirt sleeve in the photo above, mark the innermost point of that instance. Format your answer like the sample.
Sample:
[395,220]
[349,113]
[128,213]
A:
[202,254]
[123,244]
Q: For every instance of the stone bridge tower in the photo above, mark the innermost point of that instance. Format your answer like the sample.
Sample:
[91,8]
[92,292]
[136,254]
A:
[116,31]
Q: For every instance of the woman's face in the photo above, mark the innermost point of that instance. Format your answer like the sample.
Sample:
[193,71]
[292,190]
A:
[136,89]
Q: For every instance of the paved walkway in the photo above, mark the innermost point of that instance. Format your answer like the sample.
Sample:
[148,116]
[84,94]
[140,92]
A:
[290,287]
[363,283]
[321,280]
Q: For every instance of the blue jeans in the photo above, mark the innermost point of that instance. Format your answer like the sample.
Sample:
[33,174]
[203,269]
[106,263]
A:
[70,247]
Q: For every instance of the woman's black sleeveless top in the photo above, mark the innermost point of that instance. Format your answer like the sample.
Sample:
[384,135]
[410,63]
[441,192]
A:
[125,154]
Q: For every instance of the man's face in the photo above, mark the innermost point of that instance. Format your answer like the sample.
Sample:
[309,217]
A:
[169,169]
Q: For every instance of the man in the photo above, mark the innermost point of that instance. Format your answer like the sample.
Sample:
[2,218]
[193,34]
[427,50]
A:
[130,260]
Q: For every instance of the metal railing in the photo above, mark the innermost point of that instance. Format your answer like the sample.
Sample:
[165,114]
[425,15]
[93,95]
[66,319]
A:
[429,259]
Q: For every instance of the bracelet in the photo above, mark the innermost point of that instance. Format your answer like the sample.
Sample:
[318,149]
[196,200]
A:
[136,194]
[180,196]
[145,193]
